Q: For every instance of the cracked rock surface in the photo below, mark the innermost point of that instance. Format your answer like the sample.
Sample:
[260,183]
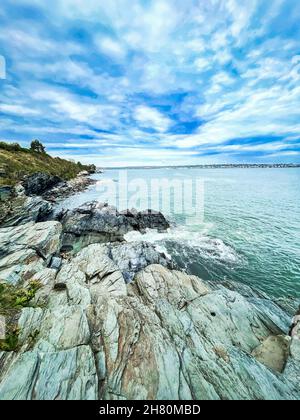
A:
[100,223]
[115,321]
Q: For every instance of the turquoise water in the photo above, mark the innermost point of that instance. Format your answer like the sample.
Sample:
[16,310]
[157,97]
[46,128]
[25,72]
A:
[251,227]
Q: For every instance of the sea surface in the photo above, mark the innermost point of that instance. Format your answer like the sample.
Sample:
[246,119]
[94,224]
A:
[250,232]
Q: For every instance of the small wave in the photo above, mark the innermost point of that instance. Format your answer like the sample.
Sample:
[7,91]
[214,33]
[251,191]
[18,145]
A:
[197,242]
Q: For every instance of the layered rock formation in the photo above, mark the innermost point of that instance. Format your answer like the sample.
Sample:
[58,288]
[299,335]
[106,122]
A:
[39,183]
[99,223]
[33,199]
[68,188]
[115,321]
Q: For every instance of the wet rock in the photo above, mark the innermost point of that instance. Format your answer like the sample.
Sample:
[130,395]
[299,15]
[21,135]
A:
[97,222]
[148,219]
[289,304]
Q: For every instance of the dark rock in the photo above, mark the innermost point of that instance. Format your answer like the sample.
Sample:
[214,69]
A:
[69,188]
[6,192]
[97,222]
[56,263]
[150,220]
[39,183]
[24,209]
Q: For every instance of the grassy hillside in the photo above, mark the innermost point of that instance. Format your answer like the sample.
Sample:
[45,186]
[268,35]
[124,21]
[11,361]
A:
[17,162]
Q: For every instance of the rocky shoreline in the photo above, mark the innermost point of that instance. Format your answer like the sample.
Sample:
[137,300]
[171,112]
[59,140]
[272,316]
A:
[35,197]
[96,317]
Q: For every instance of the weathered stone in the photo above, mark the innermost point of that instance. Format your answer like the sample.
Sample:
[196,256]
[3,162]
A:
[56,263]
[39,183]
[64,375]
[46,279]
[63,327]
[26,249]
[292,369]
[95,223]
[173,338]
[133,257]
[165,336]
[24,209]
[68,188]
[273,352]
[43,238]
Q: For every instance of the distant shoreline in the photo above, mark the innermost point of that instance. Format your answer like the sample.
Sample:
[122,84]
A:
[225,166]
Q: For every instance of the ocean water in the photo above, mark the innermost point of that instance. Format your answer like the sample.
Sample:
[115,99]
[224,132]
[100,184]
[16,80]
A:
[250,231]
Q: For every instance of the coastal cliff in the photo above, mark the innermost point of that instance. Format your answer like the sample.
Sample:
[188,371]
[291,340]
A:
[89,316]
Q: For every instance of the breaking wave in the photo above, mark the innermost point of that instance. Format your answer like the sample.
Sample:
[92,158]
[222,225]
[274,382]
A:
[179,242]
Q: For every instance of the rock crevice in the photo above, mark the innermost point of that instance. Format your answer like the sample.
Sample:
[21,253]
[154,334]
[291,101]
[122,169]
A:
[117,321]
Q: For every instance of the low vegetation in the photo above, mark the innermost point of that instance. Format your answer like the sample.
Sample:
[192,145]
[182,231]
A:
[17,162]
[12,300]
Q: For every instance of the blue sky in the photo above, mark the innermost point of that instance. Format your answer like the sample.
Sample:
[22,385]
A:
[133,82]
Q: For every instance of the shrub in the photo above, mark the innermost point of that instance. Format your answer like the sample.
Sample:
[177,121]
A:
[11,147]
[37,147]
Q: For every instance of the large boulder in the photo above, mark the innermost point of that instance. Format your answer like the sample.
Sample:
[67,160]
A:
[39,183]
[97,222]
[148,219]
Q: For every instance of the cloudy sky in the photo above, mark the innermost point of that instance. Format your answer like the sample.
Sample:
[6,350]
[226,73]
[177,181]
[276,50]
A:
[132,82]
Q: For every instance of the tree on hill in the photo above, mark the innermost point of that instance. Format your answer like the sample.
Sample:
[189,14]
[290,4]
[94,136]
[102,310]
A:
[37,146]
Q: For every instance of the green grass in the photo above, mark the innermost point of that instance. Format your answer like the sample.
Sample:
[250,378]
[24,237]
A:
[17,162]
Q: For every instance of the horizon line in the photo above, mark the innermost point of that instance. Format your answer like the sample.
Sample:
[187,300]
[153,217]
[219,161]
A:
[210,166]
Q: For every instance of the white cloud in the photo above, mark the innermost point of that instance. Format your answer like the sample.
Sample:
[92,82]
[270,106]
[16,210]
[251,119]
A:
[151,118]
[198,58]
[69,106]
[222,78]
[110,47]
[139,156]
[30,42]
[241,15]
[266,112]
[18,110]
[202,64]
